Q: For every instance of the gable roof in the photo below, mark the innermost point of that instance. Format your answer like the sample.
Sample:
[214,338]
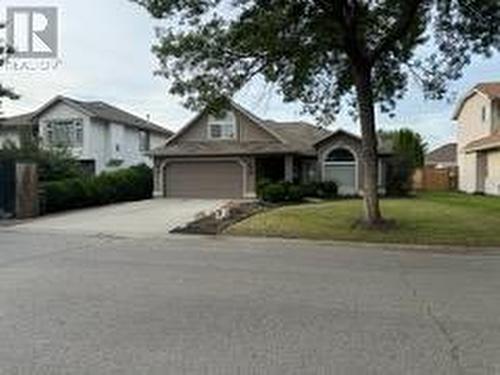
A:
[489,89]
[385,146]
[444,154]
[299,135]
[98,110]
[235,106]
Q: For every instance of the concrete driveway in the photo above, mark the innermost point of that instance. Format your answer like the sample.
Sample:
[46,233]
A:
[134,219]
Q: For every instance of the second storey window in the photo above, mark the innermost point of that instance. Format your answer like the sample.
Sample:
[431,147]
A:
[222,127]
[65,133]
[483,114]
[144,142]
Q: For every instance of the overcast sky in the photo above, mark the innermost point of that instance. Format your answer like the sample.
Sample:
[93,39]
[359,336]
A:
[105,53]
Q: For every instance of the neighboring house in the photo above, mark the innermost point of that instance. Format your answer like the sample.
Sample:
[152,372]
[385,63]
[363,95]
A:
[478,119]
[442,157]
[225,156]
[102,137]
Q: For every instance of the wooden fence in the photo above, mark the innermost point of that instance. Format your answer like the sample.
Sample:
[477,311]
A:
[429,178]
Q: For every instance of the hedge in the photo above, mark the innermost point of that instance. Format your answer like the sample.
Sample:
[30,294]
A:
[134,183]
[289,192]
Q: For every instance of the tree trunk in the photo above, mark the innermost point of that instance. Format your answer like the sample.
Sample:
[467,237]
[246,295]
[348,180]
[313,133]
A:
[364,92]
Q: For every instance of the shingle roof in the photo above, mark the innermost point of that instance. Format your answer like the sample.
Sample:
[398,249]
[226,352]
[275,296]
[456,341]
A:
[20,120]
[385,145]
[297,138]
[96,109]
[108,112]
[491,89]
[299,135]
[444,154]
[489,142]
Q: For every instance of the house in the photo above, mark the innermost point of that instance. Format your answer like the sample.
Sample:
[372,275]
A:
[442,157]
[226,155]
[101,136]
[478,124]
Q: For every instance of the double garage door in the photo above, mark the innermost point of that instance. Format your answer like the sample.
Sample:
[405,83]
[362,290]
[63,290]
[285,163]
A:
[221,179]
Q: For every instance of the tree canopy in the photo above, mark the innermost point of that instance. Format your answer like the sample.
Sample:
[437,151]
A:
[5,52]
[324,53]
[307,48]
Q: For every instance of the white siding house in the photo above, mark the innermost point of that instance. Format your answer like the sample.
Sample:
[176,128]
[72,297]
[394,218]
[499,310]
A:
[101,136]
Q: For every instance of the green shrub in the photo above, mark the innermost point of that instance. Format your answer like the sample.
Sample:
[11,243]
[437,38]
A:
[288,192]
[295,193]
[326,190]
[130,184]
[274,193]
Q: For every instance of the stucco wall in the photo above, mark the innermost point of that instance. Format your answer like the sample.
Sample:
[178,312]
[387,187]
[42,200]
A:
[467,171]
[470,125]
[342,141]
[496,116]
[492,183]
[473,171]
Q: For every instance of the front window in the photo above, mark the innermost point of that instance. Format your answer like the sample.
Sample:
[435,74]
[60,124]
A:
[65,133]
[143,141]
[222,127]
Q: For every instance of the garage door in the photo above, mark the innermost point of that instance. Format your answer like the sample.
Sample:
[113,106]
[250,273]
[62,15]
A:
[222,179]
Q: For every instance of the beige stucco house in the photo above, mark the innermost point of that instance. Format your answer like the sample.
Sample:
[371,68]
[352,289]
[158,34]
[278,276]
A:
[478,139]
[225,156]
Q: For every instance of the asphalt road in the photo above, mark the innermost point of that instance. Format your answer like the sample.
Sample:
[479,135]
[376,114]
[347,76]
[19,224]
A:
[75,304]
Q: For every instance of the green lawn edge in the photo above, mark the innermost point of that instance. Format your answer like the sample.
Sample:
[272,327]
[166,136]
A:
[427,219]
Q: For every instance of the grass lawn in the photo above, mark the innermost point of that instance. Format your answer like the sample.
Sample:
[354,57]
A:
[430,218]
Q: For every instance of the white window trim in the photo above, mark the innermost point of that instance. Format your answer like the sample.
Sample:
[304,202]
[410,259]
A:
[48,123]
[326,163]
[222,122]
[148,138]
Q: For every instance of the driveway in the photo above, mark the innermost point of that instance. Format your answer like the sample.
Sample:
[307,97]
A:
[143,218]
[75,304]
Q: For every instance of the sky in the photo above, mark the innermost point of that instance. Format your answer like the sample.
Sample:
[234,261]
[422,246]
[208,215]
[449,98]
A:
[105,54]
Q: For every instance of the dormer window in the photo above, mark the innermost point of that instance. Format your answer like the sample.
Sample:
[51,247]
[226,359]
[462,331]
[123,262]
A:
[222,126]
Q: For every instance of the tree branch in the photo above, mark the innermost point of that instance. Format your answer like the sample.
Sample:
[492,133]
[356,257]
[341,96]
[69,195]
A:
[401,27]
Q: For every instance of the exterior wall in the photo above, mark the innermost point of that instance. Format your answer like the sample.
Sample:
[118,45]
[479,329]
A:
[471,127]
[496,116]
[246,131]
[342,141]
[492,181]
[111,146]
[63,111]
[470,124]
[467,172]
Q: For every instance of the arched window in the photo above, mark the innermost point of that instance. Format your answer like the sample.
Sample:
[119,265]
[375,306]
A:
[340,155]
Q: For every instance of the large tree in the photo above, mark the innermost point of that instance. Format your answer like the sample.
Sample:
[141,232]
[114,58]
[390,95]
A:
[5,52]
[324,53]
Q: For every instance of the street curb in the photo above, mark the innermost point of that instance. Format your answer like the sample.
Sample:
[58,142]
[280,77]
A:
[417,248]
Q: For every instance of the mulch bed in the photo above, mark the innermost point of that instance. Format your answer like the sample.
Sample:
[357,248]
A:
[218,221]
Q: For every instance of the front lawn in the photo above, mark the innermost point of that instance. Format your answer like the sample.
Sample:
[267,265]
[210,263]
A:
[430,218]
